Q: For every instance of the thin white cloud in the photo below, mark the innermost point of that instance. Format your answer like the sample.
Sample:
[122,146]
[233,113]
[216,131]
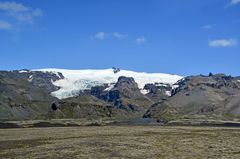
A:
[37,12]
[234,2]
[105,35]
[141,40]
[20,12]
[119,35]
[12,6]
[100,36]
[5,25]
[223,43]
[208,27]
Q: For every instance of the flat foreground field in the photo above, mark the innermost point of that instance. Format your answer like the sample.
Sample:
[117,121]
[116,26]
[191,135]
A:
[120,142]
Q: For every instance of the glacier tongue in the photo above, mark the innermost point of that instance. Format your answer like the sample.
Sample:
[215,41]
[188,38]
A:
[77,80]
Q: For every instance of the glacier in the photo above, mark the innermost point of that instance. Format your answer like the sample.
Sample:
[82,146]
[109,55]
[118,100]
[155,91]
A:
[77,80]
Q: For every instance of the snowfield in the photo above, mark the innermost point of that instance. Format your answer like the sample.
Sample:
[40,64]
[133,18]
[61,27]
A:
[77,80]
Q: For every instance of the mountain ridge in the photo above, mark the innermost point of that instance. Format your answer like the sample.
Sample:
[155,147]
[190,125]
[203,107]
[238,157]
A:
[28,94]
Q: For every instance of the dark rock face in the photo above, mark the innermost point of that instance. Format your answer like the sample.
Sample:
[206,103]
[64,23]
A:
[126,82]
[158,91]
[152,88]
[124,95]
[127,87]
[116,70]
[98,91]
[112,96]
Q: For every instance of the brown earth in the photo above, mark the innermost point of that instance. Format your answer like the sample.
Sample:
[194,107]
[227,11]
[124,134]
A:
[120,142]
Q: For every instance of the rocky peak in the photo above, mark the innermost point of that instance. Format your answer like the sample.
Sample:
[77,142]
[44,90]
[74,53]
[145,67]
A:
[128,83]
[116,70]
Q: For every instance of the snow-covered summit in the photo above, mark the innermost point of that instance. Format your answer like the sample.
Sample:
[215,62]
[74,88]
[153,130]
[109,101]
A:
[76,80]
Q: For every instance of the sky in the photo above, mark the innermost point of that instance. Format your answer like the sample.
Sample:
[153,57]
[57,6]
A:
[184,37]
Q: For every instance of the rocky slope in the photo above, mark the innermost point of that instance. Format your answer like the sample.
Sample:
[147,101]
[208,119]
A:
[25,95]
[201,97]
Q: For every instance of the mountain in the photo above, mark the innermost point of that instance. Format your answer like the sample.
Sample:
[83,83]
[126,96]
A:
[117,94]
[58,93]
[200,97]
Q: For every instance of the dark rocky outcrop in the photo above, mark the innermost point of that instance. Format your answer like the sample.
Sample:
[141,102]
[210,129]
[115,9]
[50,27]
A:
[124,95]
[158,91]
[116,70]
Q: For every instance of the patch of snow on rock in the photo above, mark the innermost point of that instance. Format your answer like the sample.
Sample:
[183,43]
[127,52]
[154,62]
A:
[23,71]
[110,87]
[30,78]
[175,86]
[144,91]
[168,93]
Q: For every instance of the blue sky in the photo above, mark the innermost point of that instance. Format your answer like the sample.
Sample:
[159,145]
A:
[171,36]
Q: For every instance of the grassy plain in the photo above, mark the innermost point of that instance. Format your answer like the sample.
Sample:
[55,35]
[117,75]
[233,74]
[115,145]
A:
[120,142]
